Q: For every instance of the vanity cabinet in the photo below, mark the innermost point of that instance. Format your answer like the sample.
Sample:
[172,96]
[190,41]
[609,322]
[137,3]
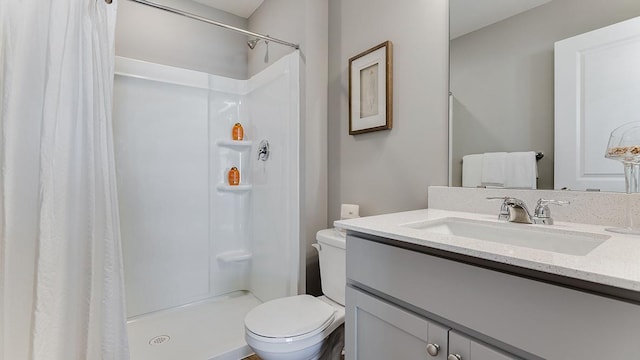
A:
[385,331]
[402,297]
[382,330]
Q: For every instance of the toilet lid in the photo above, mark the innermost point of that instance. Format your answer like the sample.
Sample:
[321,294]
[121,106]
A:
[289,317]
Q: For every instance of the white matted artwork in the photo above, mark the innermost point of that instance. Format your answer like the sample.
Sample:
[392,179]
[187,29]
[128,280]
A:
[371,90]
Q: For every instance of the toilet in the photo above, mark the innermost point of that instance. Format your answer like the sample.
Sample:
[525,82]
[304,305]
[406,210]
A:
[299,327]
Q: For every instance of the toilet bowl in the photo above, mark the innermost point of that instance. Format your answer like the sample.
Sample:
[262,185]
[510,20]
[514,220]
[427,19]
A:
[297,327]
[293,338]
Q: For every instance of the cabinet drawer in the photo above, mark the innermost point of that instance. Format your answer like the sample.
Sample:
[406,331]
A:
[469,349]
[549,321]
[378,330]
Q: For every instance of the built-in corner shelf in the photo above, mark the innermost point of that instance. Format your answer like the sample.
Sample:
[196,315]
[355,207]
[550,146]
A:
[234,188]
[241,147]
[234,256]
[238,145]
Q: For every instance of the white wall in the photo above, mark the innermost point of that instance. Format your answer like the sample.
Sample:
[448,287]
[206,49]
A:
[149,34]
[162,156]
[303,22]
[182,230]
[389,171]
[275,113]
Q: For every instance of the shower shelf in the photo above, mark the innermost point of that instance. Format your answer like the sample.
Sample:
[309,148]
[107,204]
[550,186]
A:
[238,145]
[234,256]
[235,188]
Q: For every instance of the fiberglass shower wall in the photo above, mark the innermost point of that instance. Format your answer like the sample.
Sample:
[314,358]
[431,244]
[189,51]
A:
[186,234]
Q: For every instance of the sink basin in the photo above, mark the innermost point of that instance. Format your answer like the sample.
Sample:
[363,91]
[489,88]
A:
[534,237]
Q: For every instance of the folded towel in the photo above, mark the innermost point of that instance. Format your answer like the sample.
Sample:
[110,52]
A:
[472,170]
[493,169]
[521,170]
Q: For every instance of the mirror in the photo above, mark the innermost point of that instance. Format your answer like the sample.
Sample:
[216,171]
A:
[502,73]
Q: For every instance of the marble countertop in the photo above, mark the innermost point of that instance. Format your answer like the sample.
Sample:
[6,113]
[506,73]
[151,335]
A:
[615,262]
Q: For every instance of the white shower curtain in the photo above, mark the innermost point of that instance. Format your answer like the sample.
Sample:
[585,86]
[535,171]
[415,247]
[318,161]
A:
[61,282]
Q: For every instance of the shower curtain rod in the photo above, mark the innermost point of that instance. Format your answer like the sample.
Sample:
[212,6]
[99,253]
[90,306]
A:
[213,22]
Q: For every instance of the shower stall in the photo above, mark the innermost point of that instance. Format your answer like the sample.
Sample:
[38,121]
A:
[200,253]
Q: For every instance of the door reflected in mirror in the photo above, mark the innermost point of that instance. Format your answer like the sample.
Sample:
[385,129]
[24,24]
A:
[502,74]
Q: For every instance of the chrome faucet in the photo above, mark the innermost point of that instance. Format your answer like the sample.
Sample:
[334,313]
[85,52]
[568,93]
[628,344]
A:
[504,212]
[518,211]
[515,210]
[542,214]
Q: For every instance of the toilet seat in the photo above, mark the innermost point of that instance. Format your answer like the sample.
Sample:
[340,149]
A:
[289,319]
[306,346]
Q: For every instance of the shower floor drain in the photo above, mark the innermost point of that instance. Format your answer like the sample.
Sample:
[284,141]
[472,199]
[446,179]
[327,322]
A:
[158,340]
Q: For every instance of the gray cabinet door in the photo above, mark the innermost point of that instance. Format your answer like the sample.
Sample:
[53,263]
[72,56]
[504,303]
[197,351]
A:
[379,330]
[468,349]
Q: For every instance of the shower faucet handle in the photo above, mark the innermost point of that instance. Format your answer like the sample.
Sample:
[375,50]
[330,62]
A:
[263,150]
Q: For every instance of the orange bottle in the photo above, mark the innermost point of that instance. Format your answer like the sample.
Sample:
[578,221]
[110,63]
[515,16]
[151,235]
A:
[237,133]
[234,176]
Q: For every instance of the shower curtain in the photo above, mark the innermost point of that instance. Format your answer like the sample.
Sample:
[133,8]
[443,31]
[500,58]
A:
[61,283]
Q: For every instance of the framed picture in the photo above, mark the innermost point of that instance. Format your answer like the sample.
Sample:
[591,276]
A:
[371,90]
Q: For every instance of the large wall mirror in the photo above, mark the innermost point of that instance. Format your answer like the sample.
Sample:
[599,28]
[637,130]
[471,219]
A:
[502,73]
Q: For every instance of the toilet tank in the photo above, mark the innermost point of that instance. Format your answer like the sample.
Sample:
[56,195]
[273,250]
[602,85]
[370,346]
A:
[332,257]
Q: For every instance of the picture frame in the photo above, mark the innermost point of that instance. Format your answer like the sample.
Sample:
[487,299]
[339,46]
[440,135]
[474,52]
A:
[371,90]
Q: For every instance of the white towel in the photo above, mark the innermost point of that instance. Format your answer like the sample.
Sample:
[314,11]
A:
[521,170]
[493,169]
[472,170]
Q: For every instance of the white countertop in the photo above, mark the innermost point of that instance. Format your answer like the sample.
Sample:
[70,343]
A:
[616,262]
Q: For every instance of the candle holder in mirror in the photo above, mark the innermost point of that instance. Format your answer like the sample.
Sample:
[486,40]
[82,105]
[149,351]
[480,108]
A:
[624,146]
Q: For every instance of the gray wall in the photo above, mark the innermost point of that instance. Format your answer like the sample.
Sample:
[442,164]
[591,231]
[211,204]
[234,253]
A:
[502,79]
[389,171]
[149,34]
[282,19]
[303,22]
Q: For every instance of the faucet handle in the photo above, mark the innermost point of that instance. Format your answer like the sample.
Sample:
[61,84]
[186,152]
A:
[544,202]
[542,213]
[504,212]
